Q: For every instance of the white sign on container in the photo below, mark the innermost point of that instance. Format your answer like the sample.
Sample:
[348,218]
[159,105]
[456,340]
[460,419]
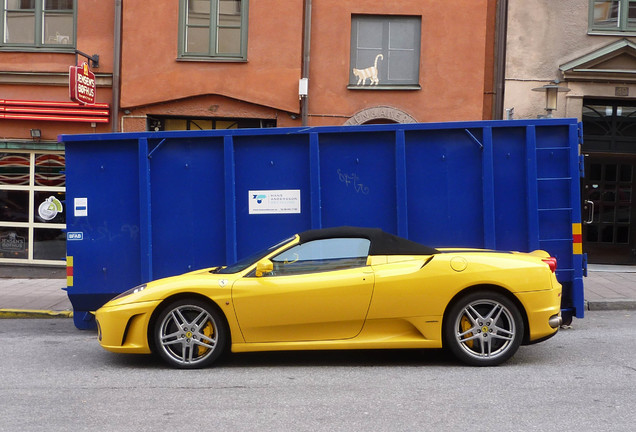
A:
[284,201]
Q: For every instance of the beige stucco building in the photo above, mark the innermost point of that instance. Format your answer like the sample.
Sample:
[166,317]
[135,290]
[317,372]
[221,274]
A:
[588,49]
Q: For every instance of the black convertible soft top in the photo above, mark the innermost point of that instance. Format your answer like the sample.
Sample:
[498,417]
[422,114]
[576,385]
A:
[382,243]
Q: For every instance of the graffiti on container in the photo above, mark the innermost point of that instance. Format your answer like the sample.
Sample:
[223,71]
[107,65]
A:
[354,181]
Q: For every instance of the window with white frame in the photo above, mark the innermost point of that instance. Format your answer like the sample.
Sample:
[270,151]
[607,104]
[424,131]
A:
[214,29]
[32,207]
[38,24]
[612,16]
[385,52]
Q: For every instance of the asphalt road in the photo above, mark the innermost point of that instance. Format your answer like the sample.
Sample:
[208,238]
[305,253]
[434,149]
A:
[57,378]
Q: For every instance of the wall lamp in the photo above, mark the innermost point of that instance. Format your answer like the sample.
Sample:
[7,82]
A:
[36,134]
[552,91]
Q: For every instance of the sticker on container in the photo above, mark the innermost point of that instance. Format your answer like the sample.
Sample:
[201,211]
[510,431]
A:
[284,201]
[81,207]
[74,236]
[50,208]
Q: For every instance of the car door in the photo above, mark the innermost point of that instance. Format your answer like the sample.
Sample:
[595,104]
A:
[319,290]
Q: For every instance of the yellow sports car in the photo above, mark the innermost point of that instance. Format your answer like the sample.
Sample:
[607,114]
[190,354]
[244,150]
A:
[342,288]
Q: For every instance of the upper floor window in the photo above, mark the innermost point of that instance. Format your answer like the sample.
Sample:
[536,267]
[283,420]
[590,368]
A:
[215,29]
[385,51]
[610,16]
[38,23]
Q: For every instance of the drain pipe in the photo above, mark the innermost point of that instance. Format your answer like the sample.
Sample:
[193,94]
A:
[501,32]
[303,86]
[114,114]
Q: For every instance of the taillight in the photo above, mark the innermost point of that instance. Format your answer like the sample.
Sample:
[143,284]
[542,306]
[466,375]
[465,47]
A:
[551,262]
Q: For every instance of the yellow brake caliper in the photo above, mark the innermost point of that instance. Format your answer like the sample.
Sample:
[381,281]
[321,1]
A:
[466,325]
[208,330]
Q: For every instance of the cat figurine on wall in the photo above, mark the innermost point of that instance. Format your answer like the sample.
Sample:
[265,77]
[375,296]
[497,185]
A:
[370,73]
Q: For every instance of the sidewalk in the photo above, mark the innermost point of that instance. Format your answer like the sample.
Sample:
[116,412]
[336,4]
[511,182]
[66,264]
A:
[32,298]
[606,288]
[610,287]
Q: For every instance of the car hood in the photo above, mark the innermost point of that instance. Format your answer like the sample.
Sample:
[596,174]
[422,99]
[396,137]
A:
[200,281]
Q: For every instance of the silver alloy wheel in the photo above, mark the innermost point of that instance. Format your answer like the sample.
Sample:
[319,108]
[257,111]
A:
[485,329]
[188,335]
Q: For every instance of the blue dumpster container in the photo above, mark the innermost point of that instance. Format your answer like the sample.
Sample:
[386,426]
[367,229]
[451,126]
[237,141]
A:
[155,204]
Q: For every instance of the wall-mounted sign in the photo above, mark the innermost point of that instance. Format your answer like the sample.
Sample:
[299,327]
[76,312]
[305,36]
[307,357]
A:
[82,84]
[274,201]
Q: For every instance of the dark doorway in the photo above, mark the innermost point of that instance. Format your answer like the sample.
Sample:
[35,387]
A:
[609,213]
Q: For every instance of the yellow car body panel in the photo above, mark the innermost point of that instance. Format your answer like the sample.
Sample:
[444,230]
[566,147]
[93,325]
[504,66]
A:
[126,326]
[303,307]
[114,317]
[395,301]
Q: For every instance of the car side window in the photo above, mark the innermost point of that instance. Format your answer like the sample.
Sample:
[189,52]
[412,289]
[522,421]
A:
[322,255]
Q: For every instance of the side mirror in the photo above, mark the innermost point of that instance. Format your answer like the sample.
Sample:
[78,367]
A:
[264,266]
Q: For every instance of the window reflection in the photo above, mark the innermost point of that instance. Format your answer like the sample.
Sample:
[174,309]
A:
[14,169]
[14,206]
[49,244]
[39,22]
[49,170]
[32,203]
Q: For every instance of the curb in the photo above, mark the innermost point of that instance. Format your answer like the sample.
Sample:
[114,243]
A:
[608,305]
[28,313]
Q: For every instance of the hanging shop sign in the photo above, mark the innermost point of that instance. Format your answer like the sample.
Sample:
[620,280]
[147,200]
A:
[82,84]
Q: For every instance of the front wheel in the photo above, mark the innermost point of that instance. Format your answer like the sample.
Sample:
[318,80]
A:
[483,328]
[189,334]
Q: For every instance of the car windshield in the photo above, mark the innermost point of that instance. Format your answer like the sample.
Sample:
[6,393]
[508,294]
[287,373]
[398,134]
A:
[244,263]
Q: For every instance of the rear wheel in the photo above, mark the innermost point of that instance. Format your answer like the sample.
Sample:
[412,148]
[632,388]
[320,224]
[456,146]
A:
[189,334]
[483,328]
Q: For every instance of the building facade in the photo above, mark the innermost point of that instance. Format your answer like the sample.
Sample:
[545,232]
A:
[329,62]
[208,64]
[586,48]
[40,41]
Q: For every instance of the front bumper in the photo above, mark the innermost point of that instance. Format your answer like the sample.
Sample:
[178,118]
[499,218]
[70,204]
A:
[124,328]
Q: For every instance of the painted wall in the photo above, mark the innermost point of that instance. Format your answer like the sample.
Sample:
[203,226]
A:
[151,72]
[455,65]
[452,64]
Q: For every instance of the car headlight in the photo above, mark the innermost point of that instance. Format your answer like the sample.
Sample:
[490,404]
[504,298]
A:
[135,290]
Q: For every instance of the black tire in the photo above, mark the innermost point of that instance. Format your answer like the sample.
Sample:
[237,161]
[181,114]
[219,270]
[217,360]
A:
[483,328]
[190,334]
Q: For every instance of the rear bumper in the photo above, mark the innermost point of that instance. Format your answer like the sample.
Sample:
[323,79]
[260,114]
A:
[554,322]
[543,310]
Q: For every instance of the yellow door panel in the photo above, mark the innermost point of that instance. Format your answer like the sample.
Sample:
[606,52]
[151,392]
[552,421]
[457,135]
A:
[315,306]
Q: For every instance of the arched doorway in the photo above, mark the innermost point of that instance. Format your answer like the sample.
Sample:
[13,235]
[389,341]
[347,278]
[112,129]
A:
[380,115]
